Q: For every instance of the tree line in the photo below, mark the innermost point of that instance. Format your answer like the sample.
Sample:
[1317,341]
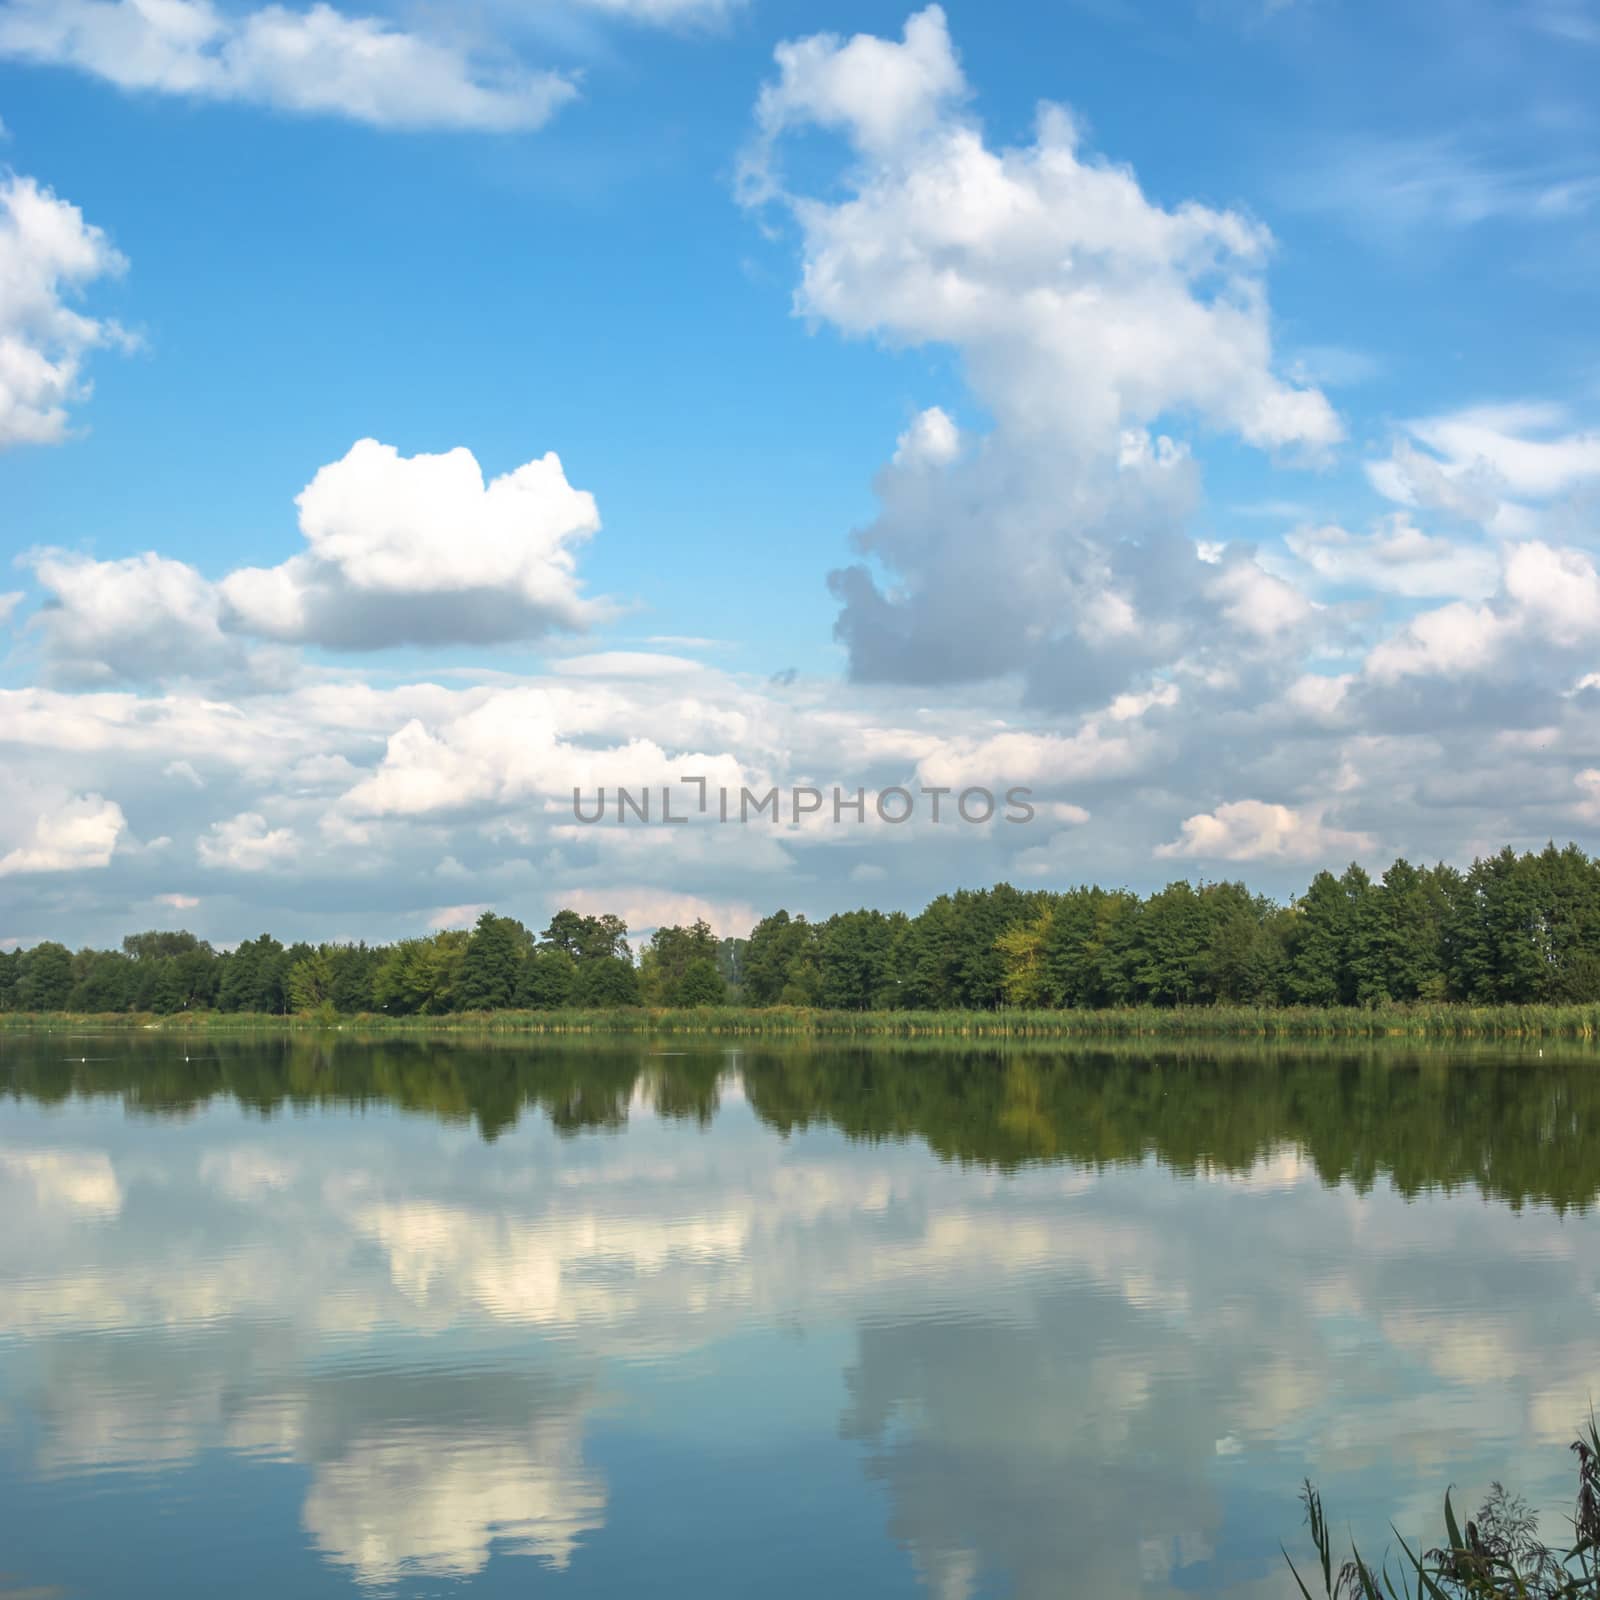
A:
[578,961]
[1511,929]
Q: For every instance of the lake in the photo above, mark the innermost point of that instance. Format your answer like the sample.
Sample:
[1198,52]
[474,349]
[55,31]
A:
[320,1317]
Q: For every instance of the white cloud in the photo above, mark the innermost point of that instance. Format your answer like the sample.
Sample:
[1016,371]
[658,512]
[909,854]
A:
[1257,603]
[1548,601]
[1026,757]
[646,910]
[878,92]
[48,255]
[8,605]
[1529,447]
[1252,830]
[177,902]
[933,440]
[1083,313]
[421,550]
[1397,558]
[78,835]
[246,844]
[141,617]
[456,916]
[318,61]
[1485,464]
[1081,307]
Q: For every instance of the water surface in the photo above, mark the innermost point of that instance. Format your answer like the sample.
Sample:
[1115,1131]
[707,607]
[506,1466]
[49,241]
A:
[330,1318]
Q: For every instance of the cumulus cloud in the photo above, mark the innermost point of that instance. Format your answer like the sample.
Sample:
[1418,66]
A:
[1080,306]
[1084,314]
[1547,603]
[76,836]
[399,550]
[246,844]
[138,618]
[318,61]
[48,256]
[420,550]
[8,605]
[1253,830]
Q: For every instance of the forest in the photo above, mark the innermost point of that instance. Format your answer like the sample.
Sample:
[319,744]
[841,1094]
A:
[1510,930]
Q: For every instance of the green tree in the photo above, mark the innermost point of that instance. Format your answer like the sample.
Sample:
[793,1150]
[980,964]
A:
[588,938]
[605,981]
[856,957]
[1025,979]
[491,968]
[667,957]
[158,944]
[548,980]
[105,983]
[311,982]
[1317,973]
[1090,948]
[702,984]
[47,980]
[780,962]
[418,976]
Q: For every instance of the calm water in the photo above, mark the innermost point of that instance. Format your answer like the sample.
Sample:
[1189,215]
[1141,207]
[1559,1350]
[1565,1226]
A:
[296,1319]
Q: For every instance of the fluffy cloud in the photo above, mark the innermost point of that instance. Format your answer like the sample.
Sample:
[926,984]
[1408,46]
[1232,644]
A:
[141,617]
[319,61]
[78,835]
[1080,307]
[246,844]
[1084,314]
[421,550]
[399,550]
[48,255]
[1547,603]
[1252,830]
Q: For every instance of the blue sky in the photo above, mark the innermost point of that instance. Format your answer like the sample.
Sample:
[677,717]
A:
[1247,512]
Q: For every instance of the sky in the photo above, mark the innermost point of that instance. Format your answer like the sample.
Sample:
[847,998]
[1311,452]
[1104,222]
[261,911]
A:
[409,415]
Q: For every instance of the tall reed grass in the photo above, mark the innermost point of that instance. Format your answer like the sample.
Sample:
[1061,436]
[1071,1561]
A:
[1134,1022]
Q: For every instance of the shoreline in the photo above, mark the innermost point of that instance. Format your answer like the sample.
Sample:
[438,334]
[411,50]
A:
[1446,1022]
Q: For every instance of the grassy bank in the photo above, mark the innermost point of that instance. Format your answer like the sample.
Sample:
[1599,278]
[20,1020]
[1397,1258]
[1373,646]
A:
[1210,1022]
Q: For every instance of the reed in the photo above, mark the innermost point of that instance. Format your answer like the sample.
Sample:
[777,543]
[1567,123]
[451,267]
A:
[1423,1021]
[1498,1556]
